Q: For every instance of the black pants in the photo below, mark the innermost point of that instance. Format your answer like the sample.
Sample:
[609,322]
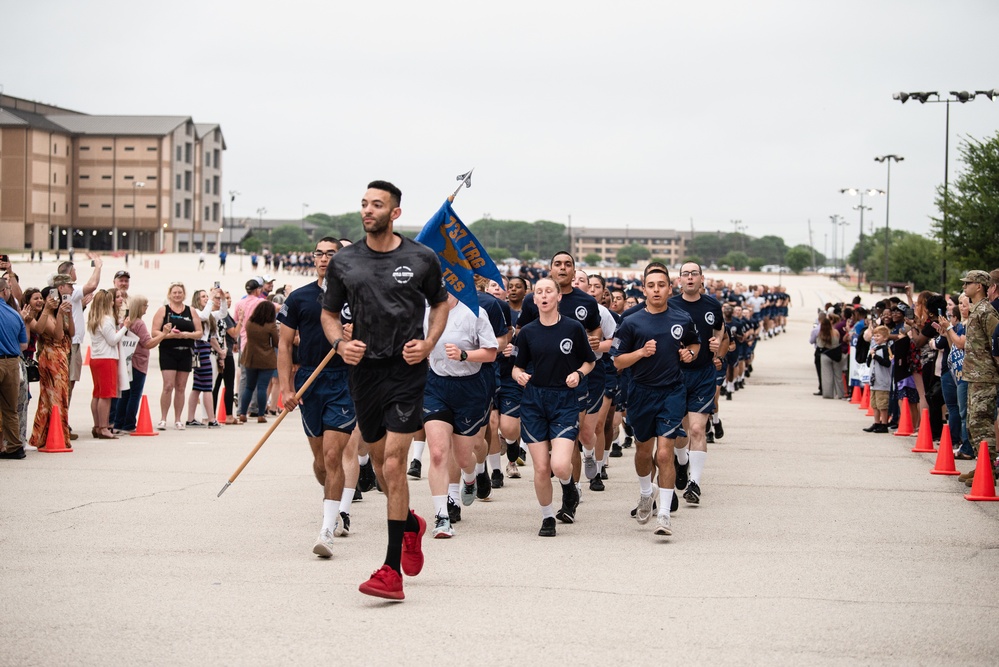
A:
[228,375]
[818,367]
[934,398]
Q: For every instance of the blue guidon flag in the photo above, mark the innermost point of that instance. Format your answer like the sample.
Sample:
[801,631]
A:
[460,253]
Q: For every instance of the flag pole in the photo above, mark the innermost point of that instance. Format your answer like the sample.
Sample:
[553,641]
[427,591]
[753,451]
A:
[466,180]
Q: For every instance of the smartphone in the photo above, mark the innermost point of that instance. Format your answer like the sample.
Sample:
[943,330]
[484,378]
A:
[65,297]
[126,312]
[940,312]
[218,285]
[92,263]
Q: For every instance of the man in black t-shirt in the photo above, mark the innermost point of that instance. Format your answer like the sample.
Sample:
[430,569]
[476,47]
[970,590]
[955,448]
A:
[386,280]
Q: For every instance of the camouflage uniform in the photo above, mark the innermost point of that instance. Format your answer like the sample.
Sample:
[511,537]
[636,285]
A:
[981,372]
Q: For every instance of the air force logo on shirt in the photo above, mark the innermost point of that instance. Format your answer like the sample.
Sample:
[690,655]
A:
[565,346]
[402,274]
[677,331]
[709,317]
[345,312]
[580,314]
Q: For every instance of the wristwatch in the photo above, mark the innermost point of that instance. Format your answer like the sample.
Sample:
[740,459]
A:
[464,356]
[582,375]
[336,344]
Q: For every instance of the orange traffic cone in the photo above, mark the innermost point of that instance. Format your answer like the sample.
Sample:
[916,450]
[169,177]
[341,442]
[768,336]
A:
[865,397]
[924,441]
[855,399]
[280,402]
[86,358]
[145,424]
[984,486]
[55,441]
[945,455]
[870,407]
[220,414]
[904,420]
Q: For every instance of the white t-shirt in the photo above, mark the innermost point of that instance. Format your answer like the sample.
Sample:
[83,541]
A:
[467,331]
[607,326]
[78,322]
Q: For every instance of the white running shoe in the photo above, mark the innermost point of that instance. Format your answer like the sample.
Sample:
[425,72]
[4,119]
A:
[342,526]
[663,526]
[645,503]
[512,471]
[324,544]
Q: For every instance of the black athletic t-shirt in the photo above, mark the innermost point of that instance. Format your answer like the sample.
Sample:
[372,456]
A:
[672,330]
[707,316]
[554,351]
[303,310]
[576,305]
[387,293]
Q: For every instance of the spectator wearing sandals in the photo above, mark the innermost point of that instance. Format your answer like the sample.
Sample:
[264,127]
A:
[105,334]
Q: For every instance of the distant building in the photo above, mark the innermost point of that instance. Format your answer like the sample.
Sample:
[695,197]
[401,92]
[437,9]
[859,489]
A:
[109,183]
[669,246]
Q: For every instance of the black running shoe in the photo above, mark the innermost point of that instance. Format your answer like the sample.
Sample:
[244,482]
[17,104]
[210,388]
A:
[719,431]
[723,392]
[453,511]
[415,469]
[483,485]
[693,493]
[597,484]
[628,430]
[496,479]
[547,528]
[674,504]
[872,428]
[681,474]
[728,396]
[616,452]
[709,437]
[603,473]
[366,480]
[358,495]
[627,442]
[570,500]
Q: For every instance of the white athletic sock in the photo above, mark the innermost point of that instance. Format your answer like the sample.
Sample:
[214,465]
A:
[480,468]
[494,461]
[509,442]
[563,482]
[548,511]
[730,386]
[601,463]
[363,460]
[331,512]
[681,454]
[588,453]
[453,492]
[645,484]
[665,500]
[440,505]
[697,466]
[467,477]
[605,459]
[346,499]
[715,418]
[418,446]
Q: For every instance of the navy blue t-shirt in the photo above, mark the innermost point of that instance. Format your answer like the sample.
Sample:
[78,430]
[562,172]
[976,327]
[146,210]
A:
[554,351]
[672,330]
[303,310]
[707,316]
[576,305]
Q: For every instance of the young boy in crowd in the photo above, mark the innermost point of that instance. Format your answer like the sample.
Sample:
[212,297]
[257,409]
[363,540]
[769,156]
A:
[879,359]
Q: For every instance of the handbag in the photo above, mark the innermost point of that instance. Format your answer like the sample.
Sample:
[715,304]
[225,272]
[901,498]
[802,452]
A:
[31,370]
[834,353]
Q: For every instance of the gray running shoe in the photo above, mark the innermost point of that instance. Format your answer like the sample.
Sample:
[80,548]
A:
[663,526]
[468,493]
[442,528]
[644,512]
[589,467]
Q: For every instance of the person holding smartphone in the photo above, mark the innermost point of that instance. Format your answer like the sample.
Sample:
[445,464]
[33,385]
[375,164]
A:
[54,327]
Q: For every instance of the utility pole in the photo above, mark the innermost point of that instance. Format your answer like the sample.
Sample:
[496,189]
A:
[811,245]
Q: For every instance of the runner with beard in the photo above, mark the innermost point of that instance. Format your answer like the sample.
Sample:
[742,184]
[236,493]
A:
[698,377]
[576,304]
[326,407]
[556,350]
[655,342]
[387,280]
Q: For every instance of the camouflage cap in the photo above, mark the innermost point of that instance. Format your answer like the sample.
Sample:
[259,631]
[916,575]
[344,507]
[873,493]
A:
[61,279]
[981,277]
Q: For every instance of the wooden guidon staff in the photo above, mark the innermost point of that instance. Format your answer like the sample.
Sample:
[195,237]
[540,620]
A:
[277,421]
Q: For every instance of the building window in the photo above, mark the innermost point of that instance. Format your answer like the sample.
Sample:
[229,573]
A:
[218,158]
[187,209]
[218,136]
[54,178]
[53,207]
[215,184]
[187,153]
[150,205]
[129,148]
[105,148]
[84,177]
[106,177]
[84,205]
[151,148]
[55,151]
[215,212]
[177,210]
[128,206]
[208,186]
[187,182]
[180,153]
[208,159]
[84,148]
[130,178]
[179,182]
[151,178]
[208,214]
[105,205]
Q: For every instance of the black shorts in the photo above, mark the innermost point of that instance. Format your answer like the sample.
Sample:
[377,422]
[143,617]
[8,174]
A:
[388,396]
[178,359]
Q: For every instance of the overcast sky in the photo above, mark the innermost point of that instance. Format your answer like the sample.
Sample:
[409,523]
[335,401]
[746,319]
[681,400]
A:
[646,114]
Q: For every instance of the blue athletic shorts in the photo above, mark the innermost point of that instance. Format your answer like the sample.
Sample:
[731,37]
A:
[743,350]
[547,413]
[326,404]
[656,411]
[462,402]
[610,378]
[700,386]
[623,388]
[594,389]
[720,373]
[510,395]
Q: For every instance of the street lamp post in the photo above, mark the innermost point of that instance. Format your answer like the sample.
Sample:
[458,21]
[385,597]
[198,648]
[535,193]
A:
[861,207]
[957,96]
[887,158]
[260,222]
[834,219]
[135,184]
[304,206]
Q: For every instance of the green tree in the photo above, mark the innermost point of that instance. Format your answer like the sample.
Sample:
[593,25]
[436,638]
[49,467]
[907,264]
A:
[592,259]
[251,244]
[756,263]
[497,254]
[736,259]
[528,256]
[770,249]
[972,231]
[911,257]
[632,253]
[288,238]
[542,237]
[798,258]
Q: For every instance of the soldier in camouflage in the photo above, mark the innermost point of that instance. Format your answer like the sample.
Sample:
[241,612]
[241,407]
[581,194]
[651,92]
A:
[981,371]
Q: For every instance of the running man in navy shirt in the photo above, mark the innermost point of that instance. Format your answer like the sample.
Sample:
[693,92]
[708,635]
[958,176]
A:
[654,342]
[327,409]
